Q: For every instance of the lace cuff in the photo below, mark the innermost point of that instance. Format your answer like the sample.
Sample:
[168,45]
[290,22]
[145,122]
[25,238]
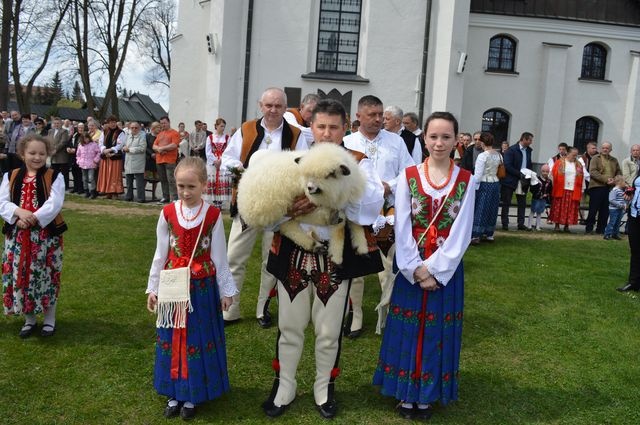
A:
[225,283]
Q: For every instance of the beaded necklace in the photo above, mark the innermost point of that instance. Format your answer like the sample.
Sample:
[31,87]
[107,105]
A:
[195,216]
[426,174]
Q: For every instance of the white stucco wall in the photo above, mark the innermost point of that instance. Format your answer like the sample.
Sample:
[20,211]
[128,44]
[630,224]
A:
[546,97]
[537,88]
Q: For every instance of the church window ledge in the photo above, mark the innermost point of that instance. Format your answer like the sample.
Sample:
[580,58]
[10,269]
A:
[328,76]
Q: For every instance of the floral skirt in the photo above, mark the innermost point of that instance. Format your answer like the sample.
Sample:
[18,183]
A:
[218,190]
[486,209]
[437,377]
[110,177]
[31,266]
[564,210]
[206,353]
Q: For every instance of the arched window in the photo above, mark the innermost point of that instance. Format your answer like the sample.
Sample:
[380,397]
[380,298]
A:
[502,54]
[496,122]
[587,129]
[594,61]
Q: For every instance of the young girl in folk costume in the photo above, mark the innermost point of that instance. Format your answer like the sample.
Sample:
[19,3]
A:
[191,363]
[31,198]
[88,158]
[420,353]
[218,184]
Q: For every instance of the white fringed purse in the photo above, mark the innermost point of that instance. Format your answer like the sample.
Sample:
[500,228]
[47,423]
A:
[174,300]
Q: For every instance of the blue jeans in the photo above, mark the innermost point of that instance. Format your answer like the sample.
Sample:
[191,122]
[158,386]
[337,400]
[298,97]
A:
[613,227]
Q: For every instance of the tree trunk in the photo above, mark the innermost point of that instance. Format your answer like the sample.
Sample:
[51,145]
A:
[5,40]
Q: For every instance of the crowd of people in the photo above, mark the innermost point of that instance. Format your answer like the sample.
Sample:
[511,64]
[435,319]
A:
[430,193]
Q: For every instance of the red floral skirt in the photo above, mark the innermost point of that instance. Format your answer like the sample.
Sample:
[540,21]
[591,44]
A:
[564,210]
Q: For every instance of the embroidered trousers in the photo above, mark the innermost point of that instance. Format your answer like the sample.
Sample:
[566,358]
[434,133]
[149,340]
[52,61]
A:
[293,317]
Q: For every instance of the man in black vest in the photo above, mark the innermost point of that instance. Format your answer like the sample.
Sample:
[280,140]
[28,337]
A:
[302,295]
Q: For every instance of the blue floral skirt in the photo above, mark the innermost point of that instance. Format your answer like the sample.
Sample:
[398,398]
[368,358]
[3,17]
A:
[437,379]
[206,350]
[486,209]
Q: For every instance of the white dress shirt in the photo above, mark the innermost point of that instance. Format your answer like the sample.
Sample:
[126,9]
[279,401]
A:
[231,155]
[387,151]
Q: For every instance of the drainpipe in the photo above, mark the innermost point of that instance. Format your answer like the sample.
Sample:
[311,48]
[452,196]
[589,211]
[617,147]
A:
[247,62]
[425,54]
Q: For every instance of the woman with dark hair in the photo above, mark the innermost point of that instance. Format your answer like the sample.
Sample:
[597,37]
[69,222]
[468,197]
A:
[487,191]
[420,352]
[633,193]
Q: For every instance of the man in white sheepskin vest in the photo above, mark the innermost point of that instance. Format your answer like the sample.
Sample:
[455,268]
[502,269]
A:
[273,133]
[311,286]
[390,156]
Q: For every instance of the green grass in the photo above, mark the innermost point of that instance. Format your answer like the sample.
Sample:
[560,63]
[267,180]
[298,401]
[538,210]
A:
[547,339]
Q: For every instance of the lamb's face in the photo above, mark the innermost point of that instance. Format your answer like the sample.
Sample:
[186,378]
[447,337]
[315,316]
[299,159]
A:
[330,176]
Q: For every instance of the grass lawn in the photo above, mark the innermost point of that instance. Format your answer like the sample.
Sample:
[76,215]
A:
[547,339]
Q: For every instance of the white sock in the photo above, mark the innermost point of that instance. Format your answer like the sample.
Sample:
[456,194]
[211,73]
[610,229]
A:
[189,405]
[50,316]
[407,405]
[29,319]
[172,403]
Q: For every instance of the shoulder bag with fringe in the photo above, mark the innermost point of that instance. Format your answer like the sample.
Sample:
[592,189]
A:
[174,301]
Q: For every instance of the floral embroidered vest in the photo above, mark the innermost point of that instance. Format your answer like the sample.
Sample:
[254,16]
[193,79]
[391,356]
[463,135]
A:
[423,207]
[182,241]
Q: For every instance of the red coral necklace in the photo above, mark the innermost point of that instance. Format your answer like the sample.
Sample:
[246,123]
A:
[426,174]
[195,216]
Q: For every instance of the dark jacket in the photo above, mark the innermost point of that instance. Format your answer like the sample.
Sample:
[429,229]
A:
[513,164]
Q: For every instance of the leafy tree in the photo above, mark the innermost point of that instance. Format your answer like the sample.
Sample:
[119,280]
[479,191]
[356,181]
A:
[56,92]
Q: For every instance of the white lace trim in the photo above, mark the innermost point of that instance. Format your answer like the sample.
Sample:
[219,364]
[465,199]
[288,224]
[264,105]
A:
[225,283]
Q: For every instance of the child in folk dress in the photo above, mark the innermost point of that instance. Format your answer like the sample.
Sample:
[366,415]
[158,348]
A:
[191,362]
[31,198]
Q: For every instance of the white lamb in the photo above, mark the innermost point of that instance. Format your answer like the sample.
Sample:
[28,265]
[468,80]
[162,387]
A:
[327,174]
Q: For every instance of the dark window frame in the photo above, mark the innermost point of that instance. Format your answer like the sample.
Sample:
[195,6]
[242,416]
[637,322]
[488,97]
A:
[502,54]
[594,62]
[587,130]
[489,124]
[329,60]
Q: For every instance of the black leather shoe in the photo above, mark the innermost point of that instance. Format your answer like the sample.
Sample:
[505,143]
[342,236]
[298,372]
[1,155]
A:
[47,330]
[422,414]
[355,334]
[505,227]
[523,227]
[187,413]
[27,330]
[329,409]
[626,288]
[265,321]
[406,412]
[171,411]
[272,410]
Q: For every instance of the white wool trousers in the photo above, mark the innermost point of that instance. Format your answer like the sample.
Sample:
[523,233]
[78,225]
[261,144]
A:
[356,295]
[293,318]
[239,250]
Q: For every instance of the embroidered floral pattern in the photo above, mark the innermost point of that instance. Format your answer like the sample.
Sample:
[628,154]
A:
[31,264]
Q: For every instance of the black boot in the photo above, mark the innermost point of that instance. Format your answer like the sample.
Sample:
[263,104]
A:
[87,193]
[94,194]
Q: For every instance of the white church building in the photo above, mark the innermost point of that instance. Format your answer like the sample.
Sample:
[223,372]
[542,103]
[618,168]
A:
[567,71]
